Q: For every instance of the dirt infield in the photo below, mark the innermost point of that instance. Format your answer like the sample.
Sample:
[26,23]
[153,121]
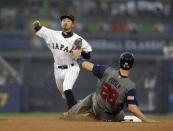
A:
[43,124]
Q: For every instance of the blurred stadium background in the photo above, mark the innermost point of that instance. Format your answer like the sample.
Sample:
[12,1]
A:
[144,27]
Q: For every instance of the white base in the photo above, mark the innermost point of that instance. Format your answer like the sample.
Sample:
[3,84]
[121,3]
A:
[131,119]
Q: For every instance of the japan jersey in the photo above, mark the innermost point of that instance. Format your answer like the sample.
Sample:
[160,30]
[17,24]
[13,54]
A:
[61,47]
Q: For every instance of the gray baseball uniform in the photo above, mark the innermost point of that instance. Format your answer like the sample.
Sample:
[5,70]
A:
[113,92]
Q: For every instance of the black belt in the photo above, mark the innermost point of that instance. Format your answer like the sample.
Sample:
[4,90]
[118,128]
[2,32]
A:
[64,66]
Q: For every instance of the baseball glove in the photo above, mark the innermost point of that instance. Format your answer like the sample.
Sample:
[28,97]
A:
[77,44]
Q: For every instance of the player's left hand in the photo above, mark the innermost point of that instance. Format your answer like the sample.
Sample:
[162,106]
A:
[76,54]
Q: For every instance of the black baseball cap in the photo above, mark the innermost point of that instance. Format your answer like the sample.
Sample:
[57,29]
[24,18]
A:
[71,17]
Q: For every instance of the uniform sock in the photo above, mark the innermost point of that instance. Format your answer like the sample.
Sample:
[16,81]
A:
[70,98]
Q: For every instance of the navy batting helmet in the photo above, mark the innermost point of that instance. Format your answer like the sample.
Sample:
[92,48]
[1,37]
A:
[126,60]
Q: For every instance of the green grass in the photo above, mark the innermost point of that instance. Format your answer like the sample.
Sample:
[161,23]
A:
[29,115]
[57,115]
[162,117]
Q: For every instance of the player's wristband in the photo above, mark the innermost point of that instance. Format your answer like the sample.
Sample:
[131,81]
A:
[80,61]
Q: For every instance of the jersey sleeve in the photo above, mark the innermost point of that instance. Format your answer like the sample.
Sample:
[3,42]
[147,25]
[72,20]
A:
[131,97]
[98,70]
[44,33]
[86,46]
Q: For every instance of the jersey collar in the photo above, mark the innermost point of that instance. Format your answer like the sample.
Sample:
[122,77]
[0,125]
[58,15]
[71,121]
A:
[121,76]
[67,34]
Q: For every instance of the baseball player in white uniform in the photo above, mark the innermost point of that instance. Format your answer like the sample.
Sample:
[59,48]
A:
[61,43]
